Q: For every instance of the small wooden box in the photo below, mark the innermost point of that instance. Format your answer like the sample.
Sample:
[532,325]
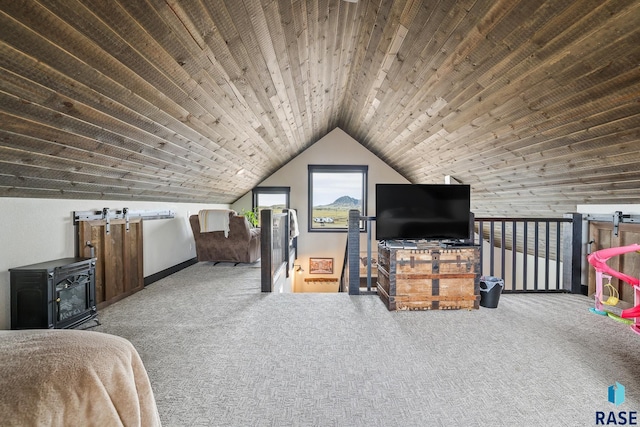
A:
[429,277]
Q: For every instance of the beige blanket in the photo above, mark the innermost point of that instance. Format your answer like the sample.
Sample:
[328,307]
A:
[53,377]
[214,220]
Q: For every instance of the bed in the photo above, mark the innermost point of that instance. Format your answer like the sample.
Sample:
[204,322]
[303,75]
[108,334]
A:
[60,377]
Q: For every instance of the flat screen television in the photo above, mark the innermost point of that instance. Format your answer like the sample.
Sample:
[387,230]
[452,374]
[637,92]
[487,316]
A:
[423,212]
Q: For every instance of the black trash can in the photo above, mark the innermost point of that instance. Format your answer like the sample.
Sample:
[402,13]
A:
[490,290]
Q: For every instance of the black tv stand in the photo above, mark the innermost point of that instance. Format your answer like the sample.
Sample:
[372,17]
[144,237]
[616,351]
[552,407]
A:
[400,244]
[454,244]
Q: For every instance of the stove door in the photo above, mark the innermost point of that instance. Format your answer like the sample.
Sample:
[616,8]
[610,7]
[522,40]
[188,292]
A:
[74,295]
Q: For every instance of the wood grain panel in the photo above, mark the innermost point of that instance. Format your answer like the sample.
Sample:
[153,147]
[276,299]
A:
[535,104]
[119,257]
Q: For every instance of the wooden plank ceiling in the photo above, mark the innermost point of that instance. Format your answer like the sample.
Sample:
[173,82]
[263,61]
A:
[534,103]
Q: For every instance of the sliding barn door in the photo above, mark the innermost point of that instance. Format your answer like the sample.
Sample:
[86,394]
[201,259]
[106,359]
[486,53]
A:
[118,253]
[602,235]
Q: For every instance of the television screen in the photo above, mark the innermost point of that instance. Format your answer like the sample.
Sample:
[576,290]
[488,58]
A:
[422,211]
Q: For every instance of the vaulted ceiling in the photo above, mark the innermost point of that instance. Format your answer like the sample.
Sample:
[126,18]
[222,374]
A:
[534,103]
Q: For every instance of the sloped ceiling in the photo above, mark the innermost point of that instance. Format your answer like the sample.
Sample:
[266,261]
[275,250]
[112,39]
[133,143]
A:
[535,104]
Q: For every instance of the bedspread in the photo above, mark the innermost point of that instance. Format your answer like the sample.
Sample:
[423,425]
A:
[61,377]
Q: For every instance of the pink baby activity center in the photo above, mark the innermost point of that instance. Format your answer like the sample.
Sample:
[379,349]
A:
[606,296]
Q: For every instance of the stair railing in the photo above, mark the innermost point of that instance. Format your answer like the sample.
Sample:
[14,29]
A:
[509,246]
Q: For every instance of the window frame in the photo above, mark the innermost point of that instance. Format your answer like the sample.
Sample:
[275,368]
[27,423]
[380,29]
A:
[361,169]
[257,191]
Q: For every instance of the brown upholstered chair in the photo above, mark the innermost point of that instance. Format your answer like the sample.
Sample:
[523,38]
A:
[242,244]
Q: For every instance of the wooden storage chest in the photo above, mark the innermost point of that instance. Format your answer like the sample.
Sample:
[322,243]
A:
[429,277]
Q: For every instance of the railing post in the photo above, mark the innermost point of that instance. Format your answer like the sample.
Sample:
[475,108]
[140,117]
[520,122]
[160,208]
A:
[266,243]
[369,254]
[285,242]
[572,253]
[353,250]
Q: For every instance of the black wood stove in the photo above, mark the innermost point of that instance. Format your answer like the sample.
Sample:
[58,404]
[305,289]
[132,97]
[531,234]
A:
[54,294]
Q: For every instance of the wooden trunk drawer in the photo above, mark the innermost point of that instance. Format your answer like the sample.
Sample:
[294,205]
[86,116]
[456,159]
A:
[429,278]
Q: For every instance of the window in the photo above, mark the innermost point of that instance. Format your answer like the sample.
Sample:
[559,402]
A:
[333,191]
[274,198]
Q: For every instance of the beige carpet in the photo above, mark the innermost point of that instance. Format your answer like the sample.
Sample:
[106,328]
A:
[220,353]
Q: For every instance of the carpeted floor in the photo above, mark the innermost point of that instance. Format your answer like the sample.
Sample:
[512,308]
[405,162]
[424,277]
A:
[221,353]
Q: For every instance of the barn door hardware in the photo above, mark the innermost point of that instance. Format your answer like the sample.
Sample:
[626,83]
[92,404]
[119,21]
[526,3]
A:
[127,214]
[617,218]
[91,247]
[105,216]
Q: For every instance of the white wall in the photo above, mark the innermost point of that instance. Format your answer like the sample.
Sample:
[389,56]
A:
[336,148]
[37,230]
[608,209]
